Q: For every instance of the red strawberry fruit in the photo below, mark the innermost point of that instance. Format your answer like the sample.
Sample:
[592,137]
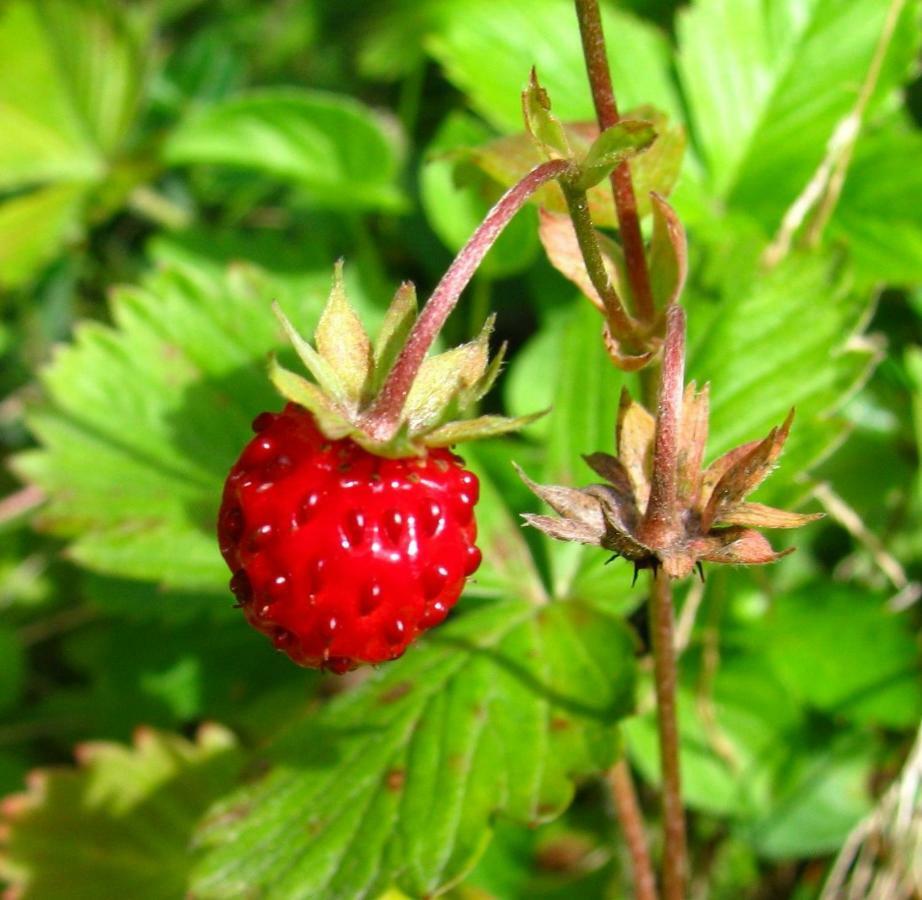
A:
[340,556]
[344,546]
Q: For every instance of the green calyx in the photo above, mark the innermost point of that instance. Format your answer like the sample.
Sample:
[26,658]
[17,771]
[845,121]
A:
[349,372]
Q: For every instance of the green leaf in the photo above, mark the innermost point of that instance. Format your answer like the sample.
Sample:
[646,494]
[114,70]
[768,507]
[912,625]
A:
[781,339]
[34,225]
[143,420]
[878,214]
[397,782]
[612,147]
[121,822]
[330,145]
[767,84]
[12,668]
[64,118]
[825,797]
[541,124]
[841,650]
[488,47]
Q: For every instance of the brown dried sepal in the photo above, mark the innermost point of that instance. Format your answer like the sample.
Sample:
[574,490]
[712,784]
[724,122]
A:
[659,508]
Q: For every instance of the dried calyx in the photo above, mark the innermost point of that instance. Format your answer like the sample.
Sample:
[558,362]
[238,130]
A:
[658,507]
[350,373]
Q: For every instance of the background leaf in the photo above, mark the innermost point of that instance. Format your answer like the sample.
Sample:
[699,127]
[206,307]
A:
[767,84]
[123,819]
[398,782]
[330,145]
[506,38]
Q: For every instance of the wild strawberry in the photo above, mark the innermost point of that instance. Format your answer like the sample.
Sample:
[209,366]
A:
[349,533]
[340,556]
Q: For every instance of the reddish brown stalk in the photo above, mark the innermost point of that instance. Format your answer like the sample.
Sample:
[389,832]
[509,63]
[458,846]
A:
[660,519]
[383,418]
[664,674]
[606,108]
[631,820]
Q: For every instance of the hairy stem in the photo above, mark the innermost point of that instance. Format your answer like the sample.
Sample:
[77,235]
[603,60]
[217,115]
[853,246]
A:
[578,205]
[661,517]
[383,419]
[664,672]
[631,821]
[606,108]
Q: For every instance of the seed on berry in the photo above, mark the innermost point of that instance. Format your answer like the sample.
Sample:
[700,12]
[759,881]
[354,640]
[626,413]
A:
[354,528]
[433,519]
[338,664]
[315,576]
[464,509]
[278,588]
[308,507]
[434,614]
[369,598]
[396,632]
[434,580]
[392,522]
[283,639]
[260,536]
[472,560]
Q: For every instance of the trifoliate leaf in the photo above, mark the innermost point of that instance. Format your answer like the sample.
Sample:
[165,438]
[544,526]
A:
[397,783]
[868,668]
[343,344]
[121,823]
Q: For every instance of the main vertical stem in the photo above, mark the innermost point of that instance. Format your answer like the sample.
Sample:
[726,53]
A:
[606,108]
[664,673]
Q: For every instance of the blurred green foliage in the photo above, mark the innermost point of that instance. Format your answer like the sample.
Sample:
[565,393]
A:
[170,167]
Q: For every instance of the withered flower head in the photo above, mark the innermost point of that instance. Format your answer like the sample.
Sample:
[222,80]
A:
[659,507]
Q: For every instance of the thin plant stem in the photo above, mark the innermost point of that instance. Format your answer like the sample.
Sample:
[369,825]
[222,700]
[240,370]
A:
[631,820]
[578,205]
[664,673]
[660,603]
[383,418]
[606,108]
[660,520]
